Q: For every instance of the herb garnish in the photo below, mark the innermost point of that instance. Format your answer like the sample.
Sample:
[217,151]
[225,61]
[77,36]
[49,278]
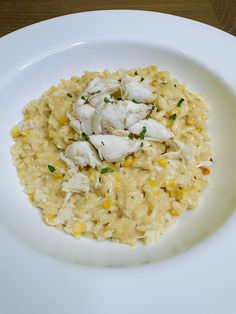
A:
[106,170]
[106,100]
[131,136]
[133,100]
[82,97]
[69,95]
[180,102]
[153,107]
[102,143]
[136,73]
[94,93]
[142,79]
[85,136]
[173,116]
[141,135]
[51,168]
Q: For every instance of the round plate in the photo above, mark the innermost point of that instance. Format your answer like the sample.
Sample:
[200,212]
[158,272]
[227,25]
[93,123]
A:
[192,268]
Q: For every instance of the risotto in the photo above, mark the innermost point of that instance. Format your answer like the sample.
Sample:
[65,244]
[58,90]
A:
[114,156]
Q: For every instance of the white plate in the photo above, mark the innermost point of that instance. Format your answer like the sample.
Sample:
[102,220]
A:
[192,269]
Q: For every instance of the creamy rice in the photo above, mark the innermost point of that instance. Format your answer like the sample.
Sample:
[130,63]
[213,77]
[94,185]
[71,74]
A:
[140,195]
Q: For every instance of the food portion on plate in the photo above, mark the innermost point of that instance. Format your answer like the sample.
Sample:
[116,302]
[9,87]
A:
[114,155]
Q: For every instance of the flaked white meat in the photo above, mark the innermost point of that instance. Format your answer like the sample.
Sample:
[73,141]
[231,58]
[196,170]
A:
[74,123]
[154,130]
[205,163]
[76,184]
[109,117]
[135,112]
[133,88]
[82,154]
[114,148]
[85,115]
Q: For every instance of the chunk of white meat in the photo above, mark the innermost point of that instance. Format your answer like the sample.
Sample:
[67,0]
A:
[134,89]
[74,123]
[66,213]
[205,163]
[76,184]
[155,131]
[109,117]
[186,149]
[114,148]
[102,85]
[134,112]
[72,167]
[82,154]
[85,114]
[98,99]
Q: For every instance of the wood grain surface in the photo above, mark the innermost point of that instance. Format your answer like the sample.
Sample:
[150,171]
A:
[15,14]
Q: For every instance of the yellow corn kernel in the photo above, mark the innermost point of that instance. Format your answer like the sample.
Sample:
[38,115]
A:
[190,120]
[162,162]
[154,83]
[118,187]
[117,177]
[26,133]
[78,228]
[153,182]
[204,116]
[198,128]
[15,133]
[157,193]
[170,185]
[28,117]
[128,161]
[49,218]
[173,212]
[175,110]
[31,197]
[57,175]
[92,174]
[205,171]
[107,203]
[63,120]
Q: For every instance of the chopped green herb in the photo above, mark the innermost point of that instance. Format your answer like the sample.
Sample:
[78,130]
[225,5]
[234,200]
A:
[106,170]
[100,179]
[106,100]
[85,136]
[82,97]
[136,73]
[69,95]
[102,143]
[141,135]
[180,102]
[142,79]
[141,145]
[131,136]
[153,107]
[51,168]
[175,85]
[134,101]
[173,116]
[94,93]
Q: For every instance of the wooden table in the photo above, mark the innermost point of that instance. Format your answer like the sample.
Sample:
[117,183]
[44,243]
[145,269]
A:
[15,14]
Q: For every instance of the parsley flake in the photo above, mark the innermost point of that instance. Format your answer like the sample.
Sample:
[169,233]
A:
[141,135]
[85,136]
[106,170]
[51,168]
[82,97]
[102,143]
[131,136]
[106,100]
[180,102]
[173,116]
[136,72]
[69,95]
[133,100]
[142,79]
